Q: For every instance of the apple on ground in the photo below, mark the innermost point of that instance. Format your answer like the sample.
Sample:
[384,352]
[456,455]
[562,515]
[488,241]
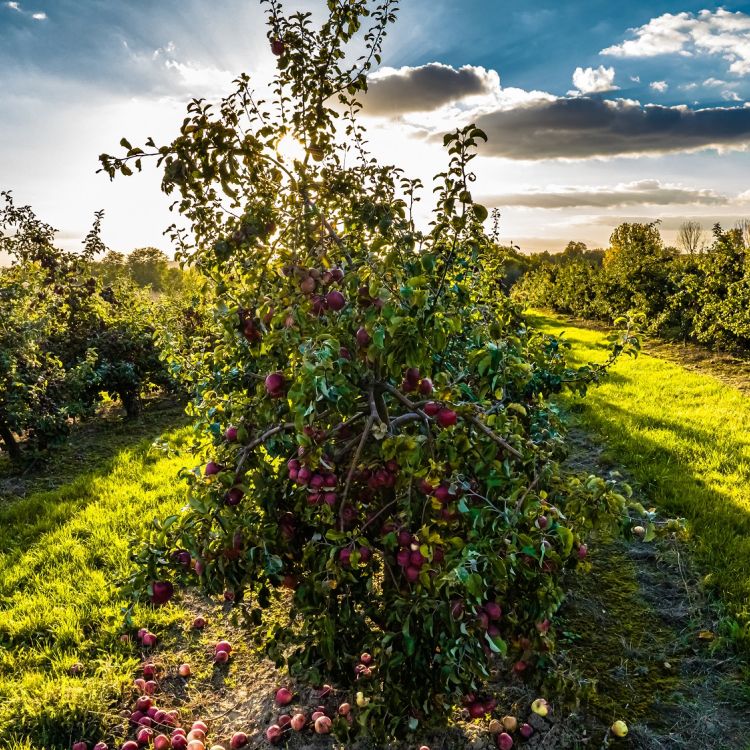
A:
[619,728]
[323,725]
[239,739]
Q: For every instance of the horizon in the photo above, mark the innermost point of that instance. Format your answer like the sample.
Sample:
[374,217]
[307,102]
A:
[647,118]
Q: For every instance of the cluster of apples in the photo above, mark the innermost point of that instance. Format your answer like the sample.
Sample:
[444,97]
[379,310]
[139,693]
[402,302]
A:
[145,636]
[316,283]
[409,557]
[321,486]
[413,382]
[366,666]
[320,720]
[505,728]
[159,728]
[479,706]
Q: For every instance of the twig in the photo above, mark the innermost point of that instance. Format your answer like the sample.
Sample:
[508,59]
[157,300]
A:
[482,427]
[380,512]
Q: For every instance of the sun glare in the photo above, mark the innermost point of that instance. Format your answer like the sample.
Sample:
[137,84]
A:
[290,149]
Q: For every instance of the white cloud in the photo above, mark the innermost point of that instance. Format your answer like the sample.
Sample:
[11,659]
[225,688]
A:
[14,6]
[721,33]
[714,82]
[659,86]
[641,192]
[39,16]
[594,80]
[635,79]
[730,96]
[688,86]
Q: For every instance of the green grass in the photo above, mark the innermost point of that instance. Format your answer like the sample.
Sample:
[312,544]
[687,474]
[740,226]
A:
[61,553]
[684,436]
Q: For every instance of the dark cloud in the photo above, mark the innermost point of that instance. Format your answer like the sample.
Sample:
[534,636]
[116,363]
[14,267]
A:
[582,128]
[644,192]
[393,92]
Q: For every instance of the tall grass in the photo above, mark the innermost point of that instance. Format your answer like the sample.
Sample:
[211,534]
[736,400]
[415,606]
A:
[61,553]
[685,437]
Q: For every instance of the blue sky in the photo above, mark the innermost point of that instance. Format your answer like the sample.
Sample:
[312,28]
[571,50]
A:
[597,111]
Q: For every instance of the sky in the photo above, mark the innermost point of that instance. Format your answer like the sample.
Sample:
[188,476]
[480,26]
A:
[597,112]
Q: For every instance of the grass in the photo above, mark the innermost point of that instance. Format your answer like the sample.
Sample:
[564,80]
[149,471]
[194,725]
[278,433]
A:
[61,552]
[684,436]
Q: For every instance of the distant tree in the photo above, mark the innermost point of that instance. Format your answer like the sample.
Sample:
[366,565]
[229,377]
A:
[690,238]
[148,266]
[743,225]
[574,249]
[111,267]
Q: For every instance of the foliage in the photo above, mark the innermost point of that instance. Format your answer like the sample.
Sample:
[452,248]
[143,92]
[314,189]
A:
[699,296]
[374,411]
[65,337]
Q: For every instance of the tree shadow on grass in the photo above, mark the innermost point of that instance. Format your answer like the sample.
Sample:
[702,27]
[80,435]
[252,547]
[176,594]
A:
[67,483]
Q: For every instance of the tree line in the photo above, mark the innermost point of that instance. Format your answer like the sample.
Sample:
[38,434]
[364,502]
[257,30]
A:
[699,291]
[74,329]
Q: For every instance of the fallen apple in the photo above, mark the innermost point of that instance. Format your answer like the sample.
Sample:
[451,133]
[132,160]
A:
[284,696]
[239,739]
[540,707]
[184,670]
[323,725]
[504,741]
[298,722]
[619,728]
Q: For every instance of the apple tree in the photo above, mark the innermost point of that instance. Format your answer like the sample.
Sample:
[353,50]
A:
[378,446]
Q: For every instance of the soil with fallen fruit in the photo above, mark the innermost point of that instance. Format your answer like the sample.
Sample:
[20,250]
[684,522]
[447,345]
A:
[636,643]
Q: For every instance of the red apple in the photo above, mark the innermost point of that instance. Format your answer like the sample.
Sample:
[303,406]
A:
[344,556]
[129,745]
[179,742]
[102,746]
[284,696]
[526,731]
[582,551]
[151,687]
[298,722]
[199,623]
[494,610]
[425,387]
[184,670]
[274,733]
[163,591]
[143,737]
[476,710]
[231,433]
[239,739]
[80,745]
[275,385]
[277,47]
[504,741]
[431,408]
[412,574]
[143,703]
[221,657]
[200,726]
[446,417]
[363,337]
[234,496]
[336,301]
[162,742]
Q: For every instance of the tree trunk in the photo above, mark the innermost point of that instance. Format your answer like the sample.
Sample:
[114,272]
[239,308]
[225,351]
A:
[14,450]
[132,403]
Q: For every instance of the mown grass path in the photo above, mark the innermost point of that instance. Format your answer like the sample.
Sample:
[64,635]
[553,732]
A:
[684,436]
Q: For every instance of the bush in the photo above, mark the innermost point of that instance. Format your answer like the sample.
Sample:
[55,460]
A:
[381,453]
[65,336]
